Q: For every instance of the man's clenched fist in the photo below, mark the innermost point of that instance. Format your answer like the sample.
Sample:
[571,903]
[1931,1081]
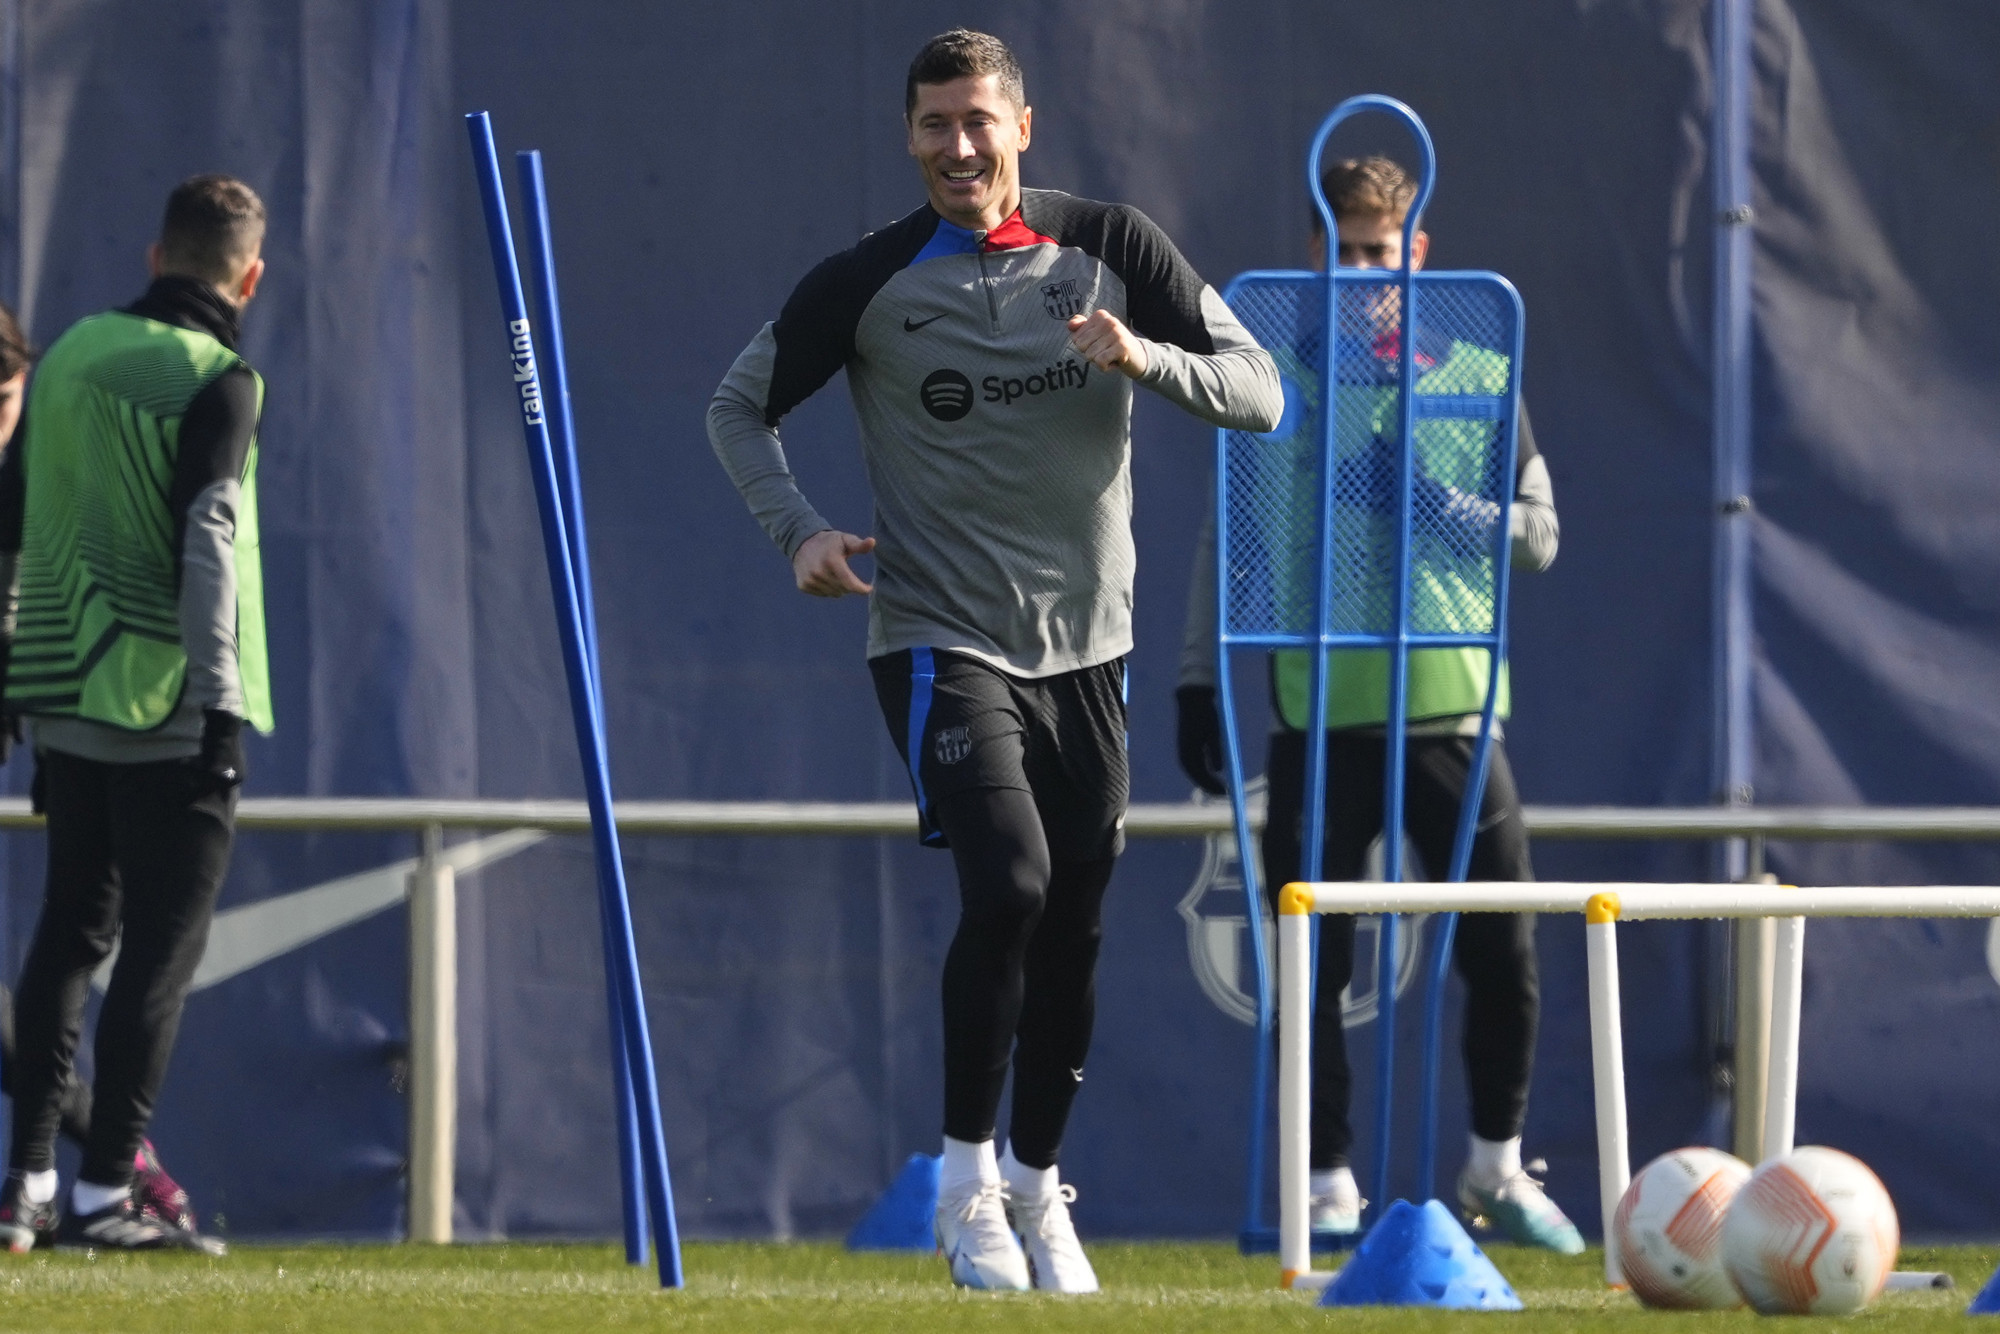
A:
[1107,344]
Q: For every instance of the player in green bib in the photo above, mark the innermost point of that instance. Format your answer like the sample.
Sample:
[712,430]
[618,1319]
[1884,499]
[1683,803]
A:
[1494,952]
[128,546]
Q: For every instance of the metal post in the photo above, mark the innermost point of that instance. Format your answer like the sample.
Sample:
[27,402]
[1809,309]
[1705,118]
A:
[1787,988]
[1731,610]
[1294,1083]
[433,1040]
[1755,961]
[1756,957]
[1607,1060]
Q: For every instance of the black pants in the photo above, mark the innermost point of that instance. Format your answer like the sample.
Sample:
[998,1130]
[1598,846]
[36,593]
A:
[1494,952]
[75,1106]
[137,850]
[1026,782]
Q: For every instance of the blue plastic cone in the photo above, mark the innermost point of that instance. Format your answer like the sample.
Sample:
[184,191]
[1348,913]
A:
[1420,1257]
[1988,1300]
[902,1219]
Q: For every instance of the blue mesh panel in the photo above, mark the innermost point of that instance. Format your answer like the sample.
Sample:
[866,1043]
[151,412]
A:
[1272,482]
[1274,485]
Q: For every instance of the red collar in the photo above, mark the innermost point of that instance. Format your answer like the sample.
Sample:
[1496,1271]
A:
[1013,234]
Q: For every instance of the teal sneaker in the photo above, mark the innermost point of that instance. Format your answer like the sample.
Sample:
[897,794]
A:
[1522,1212]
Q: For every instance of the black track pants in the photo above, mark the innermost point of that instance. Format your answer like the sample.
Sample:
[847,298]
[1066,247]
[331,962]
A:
[137,854]
[75,1108]
[1020,977]
[1025,780]
[1494,952]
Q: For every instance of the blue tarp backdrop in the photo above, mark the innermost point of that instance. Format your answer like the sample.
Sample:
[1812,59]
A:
[701,158]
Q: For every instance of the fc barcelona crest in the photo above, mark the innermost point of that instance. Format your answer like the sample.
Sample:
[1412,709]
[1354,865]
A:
[951,744]
[1062,300]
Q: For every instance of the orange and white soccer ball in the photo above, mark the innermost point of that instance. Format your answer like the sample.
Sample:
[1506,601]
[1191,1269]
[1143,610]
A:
[1668,1230]
[1812,1233]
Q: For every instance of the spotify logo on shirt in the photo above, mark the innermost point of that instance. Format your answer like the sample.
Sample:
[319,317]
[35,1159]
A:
[947,395]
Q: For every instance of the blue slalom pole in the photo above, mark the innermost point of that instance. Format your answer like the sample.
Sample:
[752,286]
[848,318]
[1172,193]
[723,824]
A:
[569,487]
[622,966]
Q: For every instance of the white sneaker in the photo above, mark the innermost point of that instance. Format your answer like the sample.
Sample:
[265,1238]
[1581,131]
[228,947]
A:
[973,1233]
[1055,1257]
[1338,1209]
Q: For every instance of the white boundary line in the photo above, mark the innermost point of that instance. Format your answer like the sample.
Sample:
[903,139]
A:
[1603,907]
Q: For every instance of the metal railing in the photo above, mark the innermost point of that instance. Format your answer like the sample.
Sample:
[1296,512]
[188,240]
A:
[434,941]
[1145,820]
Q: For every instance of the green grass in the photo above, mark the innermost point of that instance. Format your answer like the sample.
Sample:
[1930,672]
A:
[1149,1288]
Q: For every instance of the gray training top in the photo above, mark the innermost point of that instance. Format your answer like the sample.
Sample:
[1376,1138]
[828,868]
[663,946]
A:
[999,458]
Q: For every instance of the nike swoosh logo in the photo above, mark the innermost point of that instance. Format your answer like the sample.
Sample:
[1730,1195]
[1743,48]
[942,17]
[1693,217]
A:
[255,933]
[911,327]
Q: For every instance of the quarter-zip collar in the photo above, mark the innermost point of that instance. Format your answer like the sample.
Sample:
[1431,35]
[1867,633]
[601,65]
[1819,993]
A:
[952,239]
[986,281]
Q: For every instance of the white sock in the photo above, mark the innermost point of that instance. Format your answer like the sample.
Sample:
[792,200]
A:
[967,1165]
[1493,1161]
[39,1187]
[87,1197]
[1025,1181]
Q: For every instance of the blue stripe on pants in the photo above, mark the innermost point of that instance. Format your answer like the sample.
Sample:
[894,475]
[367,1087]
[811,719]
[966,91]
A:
[923,673]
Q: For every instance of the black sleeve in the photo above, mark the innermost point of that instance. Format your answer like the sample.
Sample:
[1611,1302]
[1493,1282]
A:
[215,436]
[13,490]
[815,331]
[1162,290]
[814,335]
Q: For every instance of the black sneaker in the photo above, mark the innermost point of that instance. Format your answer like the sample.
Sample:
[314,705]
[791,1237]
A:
[24,1226]
[119,1227]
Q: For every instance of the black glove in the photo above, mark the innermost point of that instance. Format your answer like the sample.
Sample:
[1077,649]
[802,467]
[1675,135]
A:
[221,758]
[1437,503]
[1198,737]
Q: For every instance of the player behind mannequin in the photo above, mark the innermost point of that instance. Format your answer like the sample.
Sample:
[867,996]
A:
[1494,952]
[992,340]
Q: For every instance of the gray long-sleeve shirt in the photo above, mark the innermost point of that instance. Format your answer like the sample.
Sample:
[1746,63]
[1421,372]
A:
[1000,460]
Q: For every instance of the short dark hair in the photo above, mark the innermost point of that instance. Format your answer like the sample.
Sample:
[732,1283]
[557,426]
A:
[15,353]
[213,228]
[1369,187]
[964,54]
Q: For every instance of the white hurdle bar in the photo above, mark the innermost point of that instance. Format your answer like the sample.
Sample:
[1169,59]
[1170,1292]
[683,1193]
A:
[1603,906]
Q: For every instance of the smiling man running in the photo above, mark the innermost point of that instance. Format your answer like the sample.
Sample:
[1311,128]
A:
[991,340]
